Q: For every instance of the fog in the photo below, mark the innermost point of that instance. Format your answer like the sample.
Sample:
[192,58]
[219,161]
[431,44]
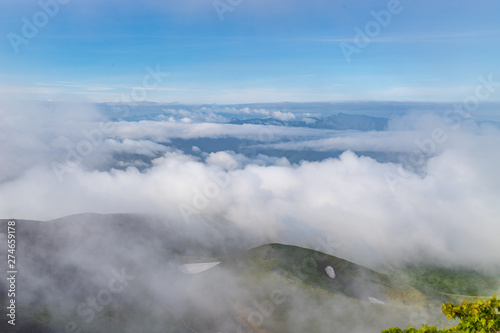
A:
[124,273]
[438,204]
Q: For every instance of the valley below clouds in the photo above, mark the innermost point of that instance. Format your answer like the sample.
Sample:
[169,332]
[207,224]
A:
[424,188]
[225,166]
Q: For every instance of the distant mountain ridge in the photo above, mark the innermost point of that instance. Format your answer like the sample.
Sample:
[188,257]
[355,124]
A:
[340,121]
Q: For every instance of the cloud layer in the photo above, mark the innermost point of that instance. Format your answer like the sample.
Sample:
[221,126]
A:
[439,203]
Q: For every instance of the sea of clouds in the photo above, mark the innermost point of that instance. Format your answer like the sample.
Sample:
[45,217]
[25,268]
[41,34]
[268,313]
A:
[437,201]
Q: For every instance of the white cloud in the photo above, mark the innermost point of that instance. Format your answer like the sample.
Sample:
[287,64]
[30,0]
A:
[450,211]
[140,147]
[164,131]
[284,116]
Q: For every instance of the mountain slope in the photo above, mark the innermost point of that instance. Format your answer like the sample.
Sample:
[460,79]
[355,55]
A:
[307,267]
[340,121]
[67,265]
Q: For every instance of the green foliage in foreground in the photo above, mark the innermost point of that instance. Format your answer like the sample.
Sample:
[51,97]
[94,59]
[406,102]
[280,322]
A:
[479,317]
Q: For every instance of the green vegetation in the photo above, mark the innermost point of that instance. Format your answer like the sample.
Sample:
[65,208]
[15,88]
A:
[283,288]
[478,317]
[306,268]
[456,281]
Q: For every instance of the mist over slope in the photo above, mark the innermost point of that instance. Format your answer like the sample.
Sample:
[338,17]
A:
[93,271]
[184,185]
[122,273]
[252,166]
[423,190]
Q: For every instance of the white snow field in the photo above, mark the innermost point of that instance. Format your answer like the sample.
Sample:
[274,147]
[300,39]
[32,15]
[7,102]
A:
[375,300]
[197,268]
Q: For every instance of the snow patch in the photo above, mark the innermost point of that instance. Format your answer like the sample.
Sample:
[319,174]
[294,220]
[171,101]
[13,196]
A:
[197,268]
[375,300]
[330,272]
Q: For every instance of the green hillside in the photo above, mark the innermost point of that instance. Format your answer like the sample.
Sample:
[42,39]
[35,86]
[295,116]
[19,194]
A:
[357,299]
[298,265]
[271,288]
[453,281]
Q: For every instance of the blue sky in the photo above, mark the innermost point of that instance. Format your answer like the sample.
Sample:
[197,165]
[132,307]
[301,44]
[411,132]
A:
[261,51]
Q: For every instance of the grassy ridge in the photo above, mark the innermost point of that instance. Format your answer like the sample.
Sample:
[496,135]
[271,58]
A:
[307,267]
[299,273]
[451,281]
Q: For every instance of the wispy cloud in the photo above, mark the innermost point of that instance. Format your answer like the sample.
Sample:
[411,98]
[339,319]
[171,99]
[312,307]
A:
[451,37]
